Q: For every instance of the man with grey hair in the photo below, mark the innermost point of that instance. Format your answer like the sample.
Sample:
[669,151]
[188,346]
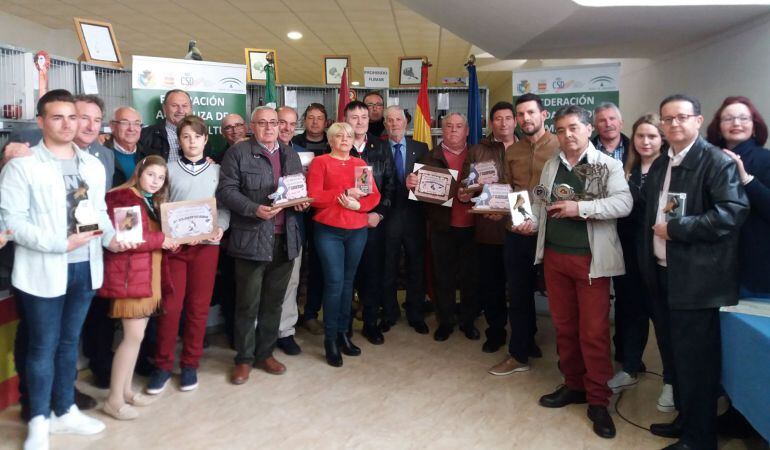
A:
[126,126]
[404,229]
[451,235]
[609,139]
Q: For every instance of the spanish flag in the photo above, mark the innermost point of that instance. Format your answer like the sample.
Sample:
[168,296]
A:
[9,381]
[422,112]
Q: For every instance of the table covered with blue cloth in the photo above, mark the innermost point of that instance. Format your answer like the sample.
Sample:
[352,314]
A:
[746,366]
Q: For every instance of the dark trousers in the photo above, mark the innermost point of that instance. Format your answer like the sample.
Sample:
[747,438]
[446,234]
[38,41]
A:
[315,278]
[97,336]
[522,281]
[632,318]
[369,280]
[454,265]
[224,290]
[404,231]
[661,320]
[491,288]
[260,287]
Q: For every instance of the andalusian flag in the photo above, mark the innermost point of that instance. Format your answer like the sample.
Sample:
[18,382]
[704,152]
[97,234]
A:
[270,99]
[9,381]
[422,112]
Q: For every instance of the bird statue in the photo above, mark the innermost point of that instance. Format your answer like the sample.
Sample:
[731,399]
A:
[472,177]
[193,52]
[279,196]
[483,199]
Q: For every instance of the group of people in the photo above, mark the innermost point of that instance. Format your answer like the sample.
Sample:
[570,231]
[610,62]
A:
[676,223]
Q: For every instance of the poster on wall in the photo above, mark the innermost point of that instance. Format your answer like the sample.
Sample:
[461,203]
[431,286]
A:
[585,86]
[216,89]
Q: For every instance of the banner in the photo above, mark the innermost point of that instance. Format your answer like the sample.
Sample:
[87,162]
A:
[216,89]
[584,86]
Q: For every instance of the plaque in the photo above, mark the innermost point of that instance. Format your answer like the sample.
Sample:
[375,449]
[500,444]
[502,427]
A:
[291,191]
[674,207]
[364,179]
[521,208]
[189,221]
[481,173]
[492,200]
[434,185]
[86,217]
[128,224]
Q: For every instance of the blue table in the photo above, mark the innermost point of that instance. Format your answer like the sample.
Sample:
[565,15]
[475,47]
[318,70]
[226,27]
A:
[746,366]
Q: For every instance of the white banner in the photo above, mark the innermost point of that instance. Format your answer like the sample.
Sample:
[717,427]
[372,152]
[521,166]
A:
[567,80]
[204,76]
[376,77]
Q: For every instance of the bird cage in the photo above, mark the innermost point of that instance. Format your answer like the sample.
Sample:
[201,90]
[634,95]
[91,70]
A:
[305,95]
[11,78]
[63,74]
[457,102]
[255,96]
[114,87]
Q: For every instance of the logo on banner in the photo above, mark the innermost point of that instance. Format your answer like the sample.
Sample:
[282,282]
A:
[602,82]
[558,83]
[231,83]
[145,78]
[186,80]
[542,85]
[523,87]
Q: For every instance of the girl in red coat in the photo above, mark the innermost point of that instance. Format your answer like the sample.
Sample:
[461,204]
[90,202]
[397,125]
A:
[133,279]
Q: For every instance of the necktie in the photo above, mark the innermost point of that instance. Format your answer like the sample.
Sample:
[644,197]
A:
[399,160]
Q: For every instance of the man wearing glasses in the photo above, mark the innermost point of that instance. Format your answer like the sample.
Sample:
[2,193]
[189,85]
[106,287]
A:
[234,131]
[695,205]
[376,106]
[264,240]
[126,128]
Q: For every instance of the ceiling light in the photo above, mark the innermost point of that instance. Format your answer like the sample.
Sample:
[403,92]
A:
[356,83]
[604,3]
[294,35]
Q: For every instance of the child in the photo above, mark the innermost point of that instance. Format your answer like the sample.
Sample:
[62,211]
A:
[193,267]
[134,281]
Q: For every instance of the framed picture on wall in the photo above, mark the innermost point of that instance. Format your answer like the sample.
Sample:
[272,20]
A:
[334,66]
[98,42]
[256,59]
[410,70]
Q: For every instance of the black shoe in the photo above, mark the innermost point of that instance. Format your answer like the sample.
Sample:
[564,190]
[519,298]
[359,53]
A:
[333,357]
[562,397]
[100,380]
[288,345]
[603,424]
[427,307]
[443,332]
[373,334]
[495,340]
[671,430]
[419,326]
[84,401]
[491,346]
[386,325]
[732,424]
[470,331]
[346,345]
[679,445]
[535,352]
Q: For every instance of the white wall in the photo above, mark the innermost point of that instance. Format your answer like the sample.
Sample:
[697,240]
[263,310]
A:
[34,37]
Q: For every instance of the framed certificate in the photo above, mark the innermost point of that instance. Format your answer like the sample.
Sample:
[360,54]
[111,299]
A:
[334,66]
[410,70]
[98,41]
[291,191]
[492,200]
[128,224]
[256,60]
[191,220]
[434,185]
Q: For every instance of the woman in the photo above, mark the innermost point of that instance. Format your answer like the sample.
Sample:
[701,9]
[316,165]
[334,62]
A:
[133,279]
[193,267]
[340,234]
[741,131]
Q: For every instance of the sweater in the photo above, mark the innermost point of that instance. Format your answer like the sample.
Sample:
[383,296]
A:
[196,182]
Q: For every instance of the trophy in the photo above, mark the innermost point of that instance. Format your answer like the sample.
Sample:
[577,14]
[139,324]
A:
[86,217]
[594,178]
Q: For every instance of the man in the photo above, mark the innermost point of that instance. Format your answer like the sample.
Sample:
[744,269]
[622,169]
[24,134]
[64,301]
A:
[376,106]
[233,130]
[43,198]
[404,229]
[264,240]
[608,123]
[451,235]
[313,139]
[369,281]
[524,161]
[695,205]
[126,126]
[576,242]
[160,139]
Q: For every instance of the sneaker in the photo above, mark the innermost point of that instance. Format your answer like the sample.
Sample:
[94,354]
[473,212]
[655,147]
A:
[314,326]
[189,379]
[622,381]
[508,366]
[37,433]
[158,382]
[666,399]
[75,422]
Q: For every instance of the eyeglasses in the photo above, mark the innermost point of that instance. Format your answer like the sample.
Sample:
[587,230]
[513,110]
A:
[232,127]
[731,119]
[127,123]
[265,123]
[284,123]
[374,105]
[680,118]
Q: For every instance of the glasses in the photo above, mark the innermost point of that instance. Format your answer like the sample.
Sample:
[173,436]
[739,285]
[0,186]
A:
[265,123]
[284,123]
[375,105]
[127,123]
[731,119]
[680,118]
[233,127]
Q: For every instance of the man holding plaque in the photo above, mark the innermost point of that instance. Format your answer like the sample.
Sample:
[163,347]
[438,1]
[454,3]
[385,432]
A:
[690,258]
[524,162]
[582,192]
[264,240]
[451,235]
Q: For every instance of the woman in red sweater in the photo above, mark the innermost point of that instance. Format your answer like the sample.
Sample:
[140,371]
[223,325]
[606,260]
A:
[133,278]
[340,234]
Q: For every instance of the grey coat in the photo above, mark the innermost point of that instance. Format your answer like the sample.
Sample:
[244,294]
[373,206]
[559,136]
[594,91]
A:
[245,181]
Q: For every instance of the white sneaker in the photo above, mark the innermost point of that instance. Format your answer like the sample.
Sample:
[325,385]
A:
[75,422]
[666,399]
[37,434]
[622,381]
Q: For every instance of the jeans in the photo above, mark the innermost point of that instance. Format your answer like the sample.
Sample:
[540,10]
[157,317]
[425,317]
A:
[53,330]
[340,251]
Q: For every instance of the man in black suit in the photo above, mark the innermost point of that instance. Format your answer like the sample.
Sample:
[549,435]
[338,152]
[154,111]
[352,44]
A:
[405,228]
[160,139]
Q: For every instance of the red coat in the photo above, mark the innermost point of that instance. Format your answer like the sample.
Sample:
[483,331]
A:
[129,274]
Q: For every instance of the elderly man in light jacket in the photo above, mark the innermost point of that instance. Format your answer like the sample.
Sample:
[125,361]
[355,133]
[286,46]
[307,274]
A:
[584,192]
